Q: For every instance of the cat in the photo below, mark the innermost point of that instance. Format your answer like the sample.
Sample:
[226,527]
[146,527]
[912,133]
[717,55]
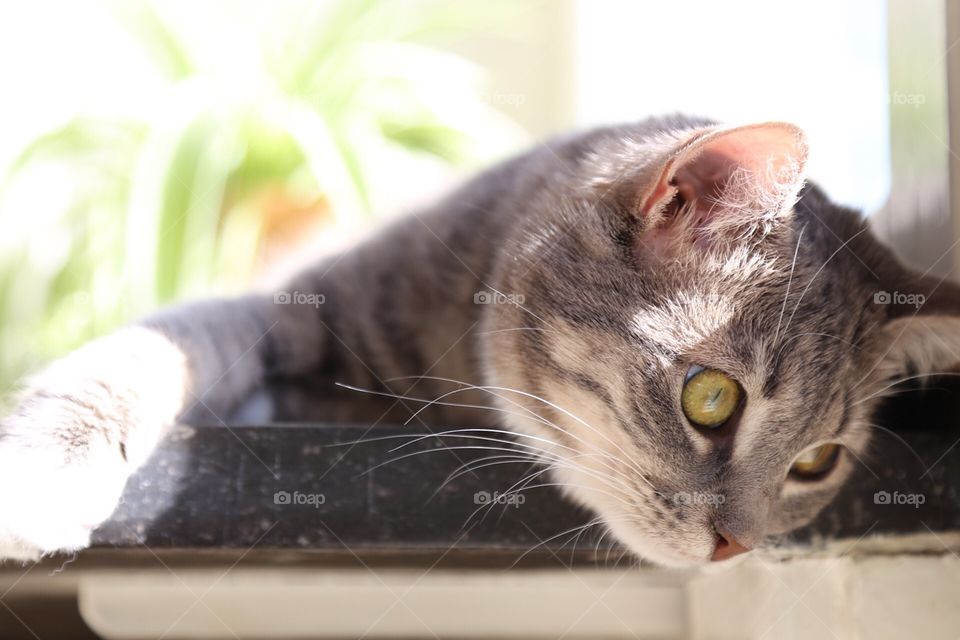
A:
[666,313]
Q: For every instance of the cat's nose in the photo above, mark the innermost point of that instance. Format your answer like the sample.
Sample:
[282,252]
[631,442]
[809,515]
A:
[726,546]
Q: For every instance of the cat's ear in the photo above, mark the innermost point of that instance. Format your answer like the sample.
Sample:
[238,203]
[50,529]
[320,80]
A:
[724,178]
[921,334]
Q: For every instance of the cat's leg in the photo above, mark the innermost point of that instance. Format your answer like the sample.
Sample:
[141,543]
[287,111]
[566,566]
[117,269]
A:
[83,425]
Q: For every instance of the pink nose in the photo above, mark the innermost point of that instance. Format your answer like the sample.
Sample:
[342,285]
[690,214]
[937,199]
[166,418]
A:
[727,546]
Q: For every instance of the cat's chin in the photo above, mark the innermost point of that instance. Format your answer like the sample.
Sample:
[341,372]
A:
[658,554]
[694,556]
[672,559]
[693,552]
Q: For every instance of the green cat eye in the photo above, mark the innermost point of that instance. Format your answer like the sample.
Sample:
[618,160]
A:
[709,397]
[816,461]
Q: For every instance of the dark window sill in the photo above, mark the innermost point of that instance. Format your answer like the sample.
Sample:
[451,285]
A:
[213,492]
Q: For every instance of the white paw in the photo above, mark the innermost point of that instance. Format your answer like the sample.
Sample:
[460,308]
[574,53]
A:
[83,426]
[51,500]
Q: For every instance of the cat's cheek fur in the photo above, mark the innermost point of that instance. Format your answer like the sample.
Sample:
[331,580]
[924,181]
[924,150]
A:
[629,527]
[584,474]
[81,428]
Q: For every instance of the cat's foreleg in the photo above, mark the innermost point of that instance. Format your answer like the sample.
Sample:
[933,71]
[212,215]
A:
[86,422]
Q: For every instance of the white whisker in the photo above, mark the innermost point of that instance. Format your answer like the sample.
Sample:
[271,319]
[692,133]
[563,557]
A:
[901,440]
[786,296]
[527,413]
[918,376]
[819,271]
[491,388]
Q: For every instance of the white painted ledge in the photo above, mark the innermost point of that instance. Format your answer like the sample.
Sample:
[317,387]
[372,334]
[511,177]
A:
[872,596]
[388,604]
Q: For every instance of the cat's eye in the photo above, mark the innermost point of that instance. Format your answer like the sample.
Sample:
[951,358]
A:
[709,397]
[816,462]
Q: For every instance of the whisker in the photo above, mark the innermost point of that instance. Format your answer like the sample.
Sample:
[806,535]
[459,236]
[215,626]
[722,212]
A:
[786,296]
[543,485]
[464,433]
[537,458]
[488,389]
[816,333]
[524,485]
[527,413]
[819,271]
[437,450]
[545,454]
[576,540]
[591,523]
[904,379]
[397,396]
[596,550]
[898,437]
[487,461]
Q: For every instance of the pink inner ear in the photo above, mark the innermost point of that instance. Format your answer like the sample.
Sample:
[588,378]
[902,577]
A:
[771,156]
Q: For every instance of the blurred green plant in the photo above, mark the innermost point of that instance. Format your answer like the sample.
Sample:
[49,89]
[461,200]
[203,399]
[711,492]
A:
[258,134]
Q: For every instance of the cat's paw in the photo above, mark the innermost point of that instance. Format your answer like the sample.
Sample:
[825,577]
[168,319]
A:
[52,493]
[78,432]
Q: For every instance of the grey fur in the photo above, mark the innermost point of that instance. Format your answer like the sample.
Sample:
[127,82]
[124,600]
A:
[588,367]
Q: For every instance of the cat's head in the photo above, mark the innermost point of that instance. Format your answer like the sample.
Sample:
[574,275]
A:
[702,338]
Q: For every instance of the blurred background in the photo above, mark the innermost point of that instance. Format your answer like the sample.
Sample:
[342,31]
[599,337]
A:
[156,151]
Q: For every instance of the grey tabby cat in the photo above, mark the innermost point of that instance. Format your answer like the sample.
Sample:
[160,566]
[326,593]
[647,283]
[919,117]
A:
[670,313]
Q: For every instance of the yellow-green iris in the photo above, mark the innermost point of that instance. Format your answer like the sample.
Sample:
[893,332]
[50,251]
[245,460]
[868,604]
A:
[709,397]
[816,461]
